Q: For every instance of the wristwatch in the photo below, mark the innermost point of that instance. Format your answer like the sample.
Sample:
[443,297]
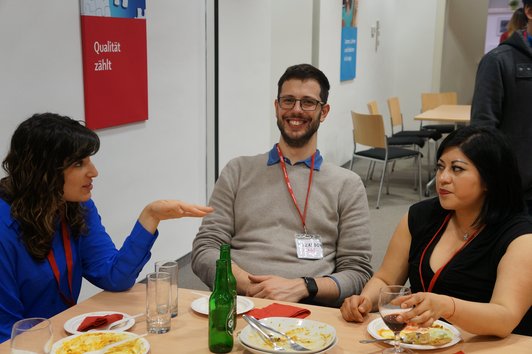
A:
[312,287]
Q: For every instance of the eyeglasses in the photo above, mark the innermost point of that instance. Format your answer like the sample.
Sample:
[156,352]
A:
[306,104]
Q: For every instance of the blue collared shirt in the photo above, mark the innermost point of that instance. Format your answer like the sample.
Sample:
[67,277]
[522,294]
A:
[273,158]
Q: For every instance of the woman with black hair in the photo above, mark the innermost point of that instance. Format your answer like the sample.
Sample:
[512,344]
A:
[50,231]
[466,253]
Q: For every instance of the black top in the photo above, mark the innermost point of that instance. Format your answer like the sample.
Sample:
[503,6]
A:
[471,274]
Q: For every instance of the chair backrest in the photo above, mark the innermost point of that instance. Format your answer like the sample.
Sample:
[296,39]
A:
[432,100]
[395,112]
[373,108]
[368,130]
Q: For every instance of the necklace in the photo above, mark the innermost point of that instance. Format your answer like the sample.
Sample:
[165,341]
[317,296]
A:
[466,235]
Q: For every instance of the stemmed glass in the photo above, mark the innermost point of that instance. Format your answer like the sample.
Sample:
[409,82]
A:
[31,335]
[390,309]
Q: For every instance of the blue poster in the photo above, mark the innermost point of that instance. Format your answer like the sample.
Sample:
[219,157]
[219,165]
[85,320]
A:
[348,53]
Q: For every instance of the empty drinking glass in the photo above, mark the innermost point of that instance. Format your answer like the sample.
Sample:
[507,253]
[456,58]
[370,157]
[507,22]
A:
[171,268]
[158,313]
[31,336]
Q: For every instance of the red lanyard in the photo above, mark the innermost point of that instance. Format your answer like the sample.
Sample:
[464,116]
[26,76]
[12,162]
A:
[53,264]
[438,272]
[291,191]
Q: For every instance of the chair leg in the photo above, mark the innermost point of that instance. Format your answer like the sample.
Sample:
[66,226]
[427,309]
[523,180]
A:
[429,186]
[420,189]
[416,161]
[387,175]
[380,185]
[351,164]
[428,158]
[372,169]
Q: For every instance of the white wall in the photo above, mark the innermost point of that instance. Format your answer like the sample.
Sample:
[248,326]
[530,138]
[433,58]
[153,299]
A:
[244,94]
[401,66]
[164,157]
[463,46]
[495,16]
[411,58]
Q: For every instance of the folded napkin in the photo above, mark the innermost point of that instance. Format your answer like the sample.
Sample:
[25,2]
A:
[92,322]
[279,310]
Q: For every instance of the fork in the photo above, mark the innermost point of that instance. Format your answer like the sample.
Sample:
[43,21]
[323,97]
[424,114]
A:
[265,336]
[122,322]
[293,344]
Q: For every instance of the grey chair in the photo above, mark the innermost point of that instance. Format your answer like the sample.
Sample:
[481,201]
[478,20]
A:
[368,130]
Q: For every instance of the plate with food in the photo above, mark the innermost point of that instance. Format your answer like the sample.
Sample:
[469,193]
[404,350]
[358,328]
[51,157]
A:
[72,325]
[317,336]
[201,305]
[89,341]
[258,351]
[440,335]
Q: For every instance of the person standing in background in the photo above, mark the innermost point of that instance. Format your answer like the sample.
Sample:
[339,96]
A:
[503,90]
[518,21]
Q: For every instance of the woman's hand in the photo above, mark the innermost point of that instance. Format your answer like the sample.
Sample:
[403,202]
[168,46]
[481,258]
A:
[355,308]
[428,307]
[159,210]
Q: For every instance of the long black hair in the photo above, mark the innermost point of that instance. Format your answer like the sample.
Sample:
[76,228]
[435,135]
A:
[495,160]
[42,147]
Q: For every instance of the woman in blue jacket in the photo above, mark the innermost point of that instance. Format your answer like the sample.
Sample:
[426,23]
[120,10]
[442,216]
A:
[51,235]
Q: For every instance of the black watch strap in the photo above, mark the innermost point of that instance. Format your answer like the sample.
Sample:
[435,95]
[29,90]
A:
[312,287]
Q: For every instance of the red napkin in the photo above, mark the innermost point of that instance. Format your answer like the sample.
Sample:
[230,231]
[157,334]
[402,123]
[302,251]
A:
[91,322]
[279,310]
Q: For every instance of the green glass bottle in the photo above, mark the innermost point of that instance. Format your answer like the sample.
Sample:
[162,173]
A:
[225,253]
[221,308]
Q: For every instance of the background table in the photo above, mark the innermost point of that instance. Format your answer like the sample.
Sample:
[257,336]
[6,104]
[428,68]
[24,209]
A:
[447,113]
[189,329]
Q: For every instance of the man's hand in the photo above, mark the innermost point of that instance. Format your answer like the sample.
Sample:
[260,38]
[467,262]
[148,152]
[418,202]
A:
[355,308]
[276,288]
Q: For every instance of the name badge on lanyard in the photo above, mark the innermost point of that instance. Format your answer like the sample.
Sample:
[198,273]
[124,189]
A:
[309,246]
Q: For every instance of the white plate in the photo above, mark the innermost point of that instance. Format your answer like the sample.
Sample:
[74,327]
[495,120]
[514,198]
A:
[257,351]
[317,336]
[71,326]
[378,324]
[201,305]
[57,348]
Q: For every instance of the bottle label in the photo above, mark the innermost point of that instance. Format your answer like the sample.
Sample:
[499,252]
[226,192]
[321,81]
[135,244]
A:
[230,321]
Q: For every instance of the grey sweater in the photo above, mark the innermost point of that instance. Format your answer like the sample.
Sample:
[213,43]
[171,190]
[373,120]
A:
[254,212]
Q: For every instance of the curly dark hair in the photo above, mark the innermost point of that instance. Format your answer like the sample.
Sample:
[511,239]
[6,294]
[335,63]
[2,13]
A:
[42,147]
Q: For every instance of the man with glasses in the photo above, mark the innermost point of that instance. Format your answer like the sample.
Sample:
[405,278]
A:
[298,226]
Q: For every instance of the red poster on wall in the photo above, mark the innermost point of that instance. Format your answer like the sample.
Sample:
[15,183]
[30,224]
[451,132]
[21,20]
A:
[115,74]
